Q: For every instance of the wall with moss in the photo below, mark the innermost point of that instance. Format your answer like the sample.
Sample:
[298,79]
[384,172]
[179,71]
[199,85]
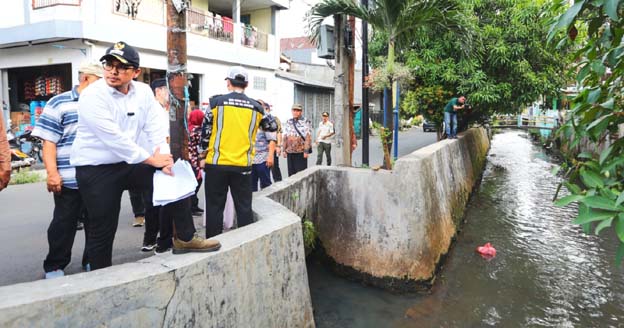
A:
[390,228]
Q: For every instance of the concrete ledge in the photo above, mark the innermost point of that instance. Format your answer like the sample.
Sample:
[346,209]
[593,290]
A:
[257,279]
[390,228]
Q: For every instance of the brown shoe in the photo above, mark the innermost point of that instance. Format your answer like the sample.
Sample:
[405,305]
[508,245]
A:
[139,221]
[196,245]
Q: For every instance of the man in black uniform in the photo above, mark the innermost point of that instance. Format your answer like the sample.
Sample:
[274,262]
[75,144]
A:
[229,134]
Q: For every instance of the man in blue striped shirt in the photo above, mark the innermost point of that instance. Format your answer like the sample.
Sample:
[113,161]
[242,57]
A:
[57,127]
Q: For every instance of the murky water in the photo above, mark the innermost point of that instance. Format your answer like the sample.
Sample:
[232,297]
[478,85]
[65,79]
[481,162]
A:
[547,273]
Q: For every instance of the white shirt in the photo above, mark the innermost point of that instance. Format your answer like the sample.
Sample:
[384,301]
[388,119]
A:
[325,129]
[110,124]
[144,141]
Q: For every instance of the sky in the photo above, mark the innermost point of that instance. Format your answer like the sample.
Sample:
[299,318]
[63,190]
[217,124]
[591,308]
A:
[292,24]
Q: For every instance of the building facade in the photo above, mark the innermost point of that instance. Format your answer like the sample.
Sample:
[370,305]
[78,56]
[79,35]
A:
[44,42]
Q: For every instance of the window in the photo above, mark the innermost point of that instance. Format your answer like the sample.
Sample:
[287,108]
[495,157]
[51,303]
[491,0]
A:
[259,83]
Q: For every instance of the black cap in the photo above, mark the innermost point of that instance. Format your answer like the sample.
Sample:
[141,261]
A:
[123,52]
[159,83]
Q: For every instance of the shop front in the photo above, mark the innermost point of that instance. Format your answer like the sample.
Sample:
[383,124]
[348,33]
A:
[29,90]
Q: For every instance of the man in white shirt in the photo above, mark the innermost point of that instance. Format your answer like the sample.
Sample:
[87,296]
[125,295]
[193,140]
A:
[113,112]
[324,138]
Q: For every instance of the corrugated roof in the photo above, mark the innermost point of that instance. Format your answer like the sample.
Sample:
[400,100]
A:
[302,80]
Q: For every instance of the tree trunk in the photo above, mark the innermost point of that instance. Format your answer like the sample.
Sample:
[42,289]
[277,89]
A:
[176,76]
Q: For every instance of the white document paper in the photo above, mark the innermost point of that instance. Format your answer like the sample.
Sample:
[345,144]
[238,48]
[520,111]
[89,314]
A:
[168,189]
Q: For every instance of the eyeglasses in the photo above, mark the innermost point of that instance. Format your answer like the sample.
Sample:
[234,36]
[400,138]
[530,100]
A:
[121,68]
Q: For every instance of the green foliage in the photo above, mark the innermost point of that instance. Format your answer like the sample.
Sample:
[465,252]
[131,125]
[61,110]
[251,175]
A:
[23,177]
[595,181]
[506,66]
[309,235]
[427,101]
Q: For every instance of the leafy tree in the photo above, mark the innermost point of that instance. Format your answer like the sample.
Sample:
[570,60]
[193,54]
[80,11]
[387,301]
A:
[595,181]
[397,19]
[504,65]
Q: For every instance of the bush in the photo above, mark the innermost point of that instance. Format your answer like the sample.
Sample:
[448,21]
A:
[309,235]
[23,177]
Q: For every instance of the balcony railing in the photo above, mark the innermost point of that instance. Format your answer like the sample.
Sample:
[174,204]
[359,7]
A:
[210,25]
[38,4]
[198,21]
[252,38]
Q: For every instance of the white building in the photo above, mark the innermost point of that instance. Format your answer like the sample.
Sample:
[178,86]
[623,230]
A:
[43,42]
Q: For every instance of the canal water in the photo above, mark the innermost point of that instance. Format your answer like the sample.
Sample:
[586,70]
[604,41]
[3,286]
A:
[547,272]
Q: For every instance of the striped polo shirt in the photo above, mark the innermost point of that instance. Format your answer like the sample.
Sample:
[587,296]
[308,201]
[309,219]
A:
[58,124]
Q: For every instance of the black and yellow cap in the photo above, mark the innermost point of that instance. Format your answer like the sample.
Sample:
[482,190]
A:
[123,52]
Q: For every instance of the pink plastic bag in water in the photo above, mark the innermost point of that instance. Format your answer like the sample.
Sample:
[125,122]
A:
[486,250]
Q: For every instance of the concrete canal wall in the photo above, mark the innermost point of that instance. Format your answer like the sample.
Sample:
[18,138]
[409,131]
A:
[390,229]
[257,279]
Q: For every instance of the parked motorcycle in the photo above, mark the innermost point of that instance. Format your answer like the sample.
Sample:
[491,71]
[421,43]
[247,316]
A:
[19,159]
[36,145]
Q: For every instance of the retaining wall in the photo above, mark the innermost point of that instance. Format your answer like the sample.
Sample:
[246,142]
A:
[257,279]
[390,228]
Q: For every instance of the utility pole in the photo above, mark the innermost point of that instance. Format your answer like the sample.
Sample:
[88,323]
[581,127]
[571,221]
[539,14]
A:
[351,59]
[177,78]
[365,132]
[341,92]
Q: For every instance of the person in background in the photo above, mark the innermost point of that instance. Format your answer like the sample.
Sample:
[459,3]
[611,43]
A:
[450,115]
[57,127]
[138,207]
[113,113]
[152,213]
[5,157]
[324,137]
[296,141]
[195,126]
[275,170]
[265,155]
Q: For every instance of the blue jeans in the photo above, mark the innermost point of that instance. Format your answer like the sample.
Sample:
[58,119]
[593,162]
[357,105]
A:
[260,172]
[450,121]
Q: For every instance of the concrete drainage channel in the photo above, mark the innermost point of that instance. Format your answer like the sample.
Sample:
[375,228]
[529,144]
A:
[390,229]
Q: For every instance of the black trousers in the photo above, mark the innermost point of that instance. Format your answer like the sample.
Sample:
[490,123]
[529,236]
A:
[101,188]
[216,193]
[277,173]
[138,202]
[152,218]
[296,163]
[323,148]
[62,229]
[194,198]
[260,172]
[173,218]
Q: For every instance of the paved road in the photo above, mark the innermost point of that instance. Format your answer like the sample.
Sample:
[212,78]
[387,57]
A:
[26,210]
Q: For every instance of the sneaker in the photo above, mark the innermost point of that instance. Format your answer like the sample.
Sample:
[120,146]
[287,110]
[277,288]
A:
[159,250]
[54,274]
[139,221]
[148,247]
[197,244]
[197,211]
[79,226]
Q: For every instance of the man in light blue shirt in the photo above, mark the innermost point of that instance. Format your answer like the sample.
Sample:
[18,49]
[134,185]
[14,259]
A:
[57,127]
